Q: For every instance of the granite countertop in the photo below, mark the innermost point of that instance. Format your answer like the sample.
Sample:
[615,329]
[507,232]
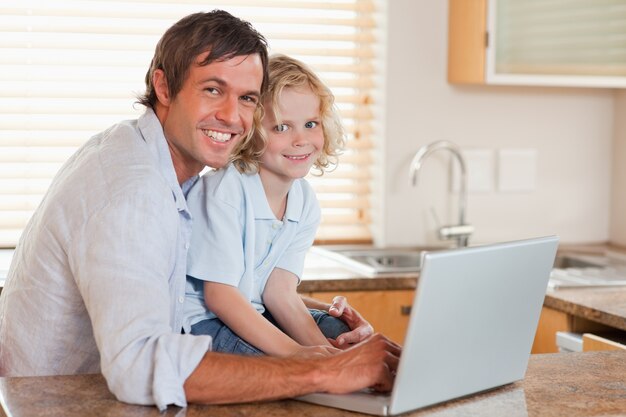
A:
[568,384]
[605,305]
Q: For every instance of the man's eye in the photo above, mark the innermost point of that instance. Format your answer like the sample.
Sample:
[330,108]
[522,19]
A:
[281,128]
[310,125]
[212,90]
[249,99]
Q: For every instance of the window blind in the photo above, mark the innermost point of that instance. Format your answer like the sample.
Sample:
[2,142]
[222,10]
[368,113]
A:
[561,37]
[69,69]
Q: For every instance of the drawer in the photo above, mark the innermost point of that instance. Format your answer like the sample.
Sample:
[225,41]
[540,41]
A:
[594,342]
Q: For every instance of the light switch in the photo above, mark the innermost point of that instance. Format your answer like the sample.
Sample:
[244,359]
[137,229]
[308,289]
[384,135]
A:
[517,169]
[479,164]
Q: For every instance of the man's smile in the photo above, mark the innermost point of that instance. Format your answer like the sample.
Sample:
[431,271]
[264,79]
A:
[221,137]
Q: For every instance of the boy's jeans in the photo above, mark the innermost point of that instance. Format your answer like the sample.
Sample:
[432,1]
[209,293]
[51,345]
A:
[225,340]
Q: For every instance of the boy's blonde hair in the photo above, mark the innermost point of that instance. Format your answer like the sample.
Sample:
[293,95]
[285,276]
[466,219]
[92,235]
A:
[286,72]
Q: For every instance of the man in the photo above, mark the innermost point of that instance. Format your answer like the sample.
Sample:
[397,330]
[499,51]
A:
[97,281]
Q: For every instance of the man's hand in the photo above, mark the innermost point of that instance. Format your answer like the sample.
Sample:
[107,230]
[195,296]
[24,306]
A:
[371,363]
[360,328]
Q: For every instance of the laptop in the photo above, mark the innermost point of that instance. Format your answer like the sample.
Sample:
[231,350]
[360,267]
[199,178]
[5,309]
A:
[471,328]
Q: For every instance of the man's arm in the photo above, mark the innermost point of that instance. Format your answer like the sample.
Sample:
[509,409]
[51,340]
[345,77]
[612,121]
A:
[122,259]
[360,328]
[281,299]
[223,378]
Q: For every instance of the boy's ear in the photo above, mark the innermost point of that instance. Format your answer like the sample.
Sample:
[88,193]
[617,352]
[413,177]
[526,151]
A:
[160,87]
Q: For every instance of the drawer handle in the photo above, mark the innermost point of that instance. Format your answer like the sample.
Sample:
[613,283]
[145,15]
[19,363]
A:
[405,310]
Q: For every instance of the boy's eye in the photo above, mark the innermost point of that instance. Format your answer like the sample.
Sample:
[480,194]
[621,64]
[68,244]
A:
[310,125]
[281,128]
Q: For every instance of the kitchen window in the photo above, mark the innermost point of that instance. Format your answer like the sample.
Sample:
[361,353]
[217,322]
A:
[70,69]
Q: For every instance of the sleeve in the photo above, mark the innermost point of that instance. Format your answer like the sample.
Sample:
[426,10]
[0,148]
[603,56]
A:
[124,261]
[292,259]
[216,251]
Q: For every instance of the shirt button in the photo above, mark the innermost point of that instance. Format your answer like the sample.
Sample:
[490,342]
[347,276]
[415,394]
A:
[187,245]
[181,299]
[275,226]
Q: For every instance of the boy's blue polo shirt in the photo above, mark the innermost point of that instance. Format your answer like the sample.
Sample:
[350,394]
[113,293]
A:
[237,240]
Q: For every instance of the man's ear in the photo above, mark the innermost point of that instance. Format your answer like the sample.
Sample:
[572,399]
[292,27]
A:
[160,87]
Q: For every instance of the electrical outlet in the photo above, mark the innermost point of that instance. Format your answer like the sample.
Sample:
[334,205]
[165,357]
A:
[479,164]
[517,170]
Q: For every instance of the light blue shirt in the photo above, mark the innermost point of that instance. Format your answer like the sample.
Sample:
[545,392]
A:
[237,240]
[97,281]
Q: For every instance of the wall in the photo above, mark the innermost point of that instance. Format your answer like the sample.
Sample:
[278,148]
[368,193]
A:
[570,128]
[618,206]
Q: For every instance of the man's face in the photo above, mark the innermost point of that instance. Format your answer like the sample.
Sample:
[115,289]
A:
[212,112]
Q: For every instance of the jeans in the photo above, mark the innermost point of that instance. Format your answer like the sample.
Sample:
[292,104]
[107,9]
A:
[225,340]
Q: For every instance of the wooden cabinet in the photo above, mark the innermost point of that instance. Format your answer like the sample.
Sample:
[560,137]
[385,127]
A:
[593,342]
[509,42]
[467,38]
[388,311]
[552,321]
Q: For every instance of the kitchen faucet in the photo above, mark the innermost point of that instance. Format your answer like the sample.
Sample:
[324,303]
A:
[461,232]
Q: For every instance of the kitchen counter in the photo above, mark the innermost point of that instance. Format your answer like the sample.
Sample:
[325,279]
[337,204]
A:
[325,274]
[604,305]
[573,384]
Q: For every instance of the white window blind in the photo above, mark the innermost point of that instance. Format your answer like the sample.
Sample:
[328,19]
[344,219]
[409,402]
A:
[69,69]
[561,37]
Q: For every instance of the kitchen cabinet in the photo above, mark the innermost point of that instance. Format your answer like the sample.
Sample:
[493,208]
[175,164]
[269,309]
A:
[521,42]
[593,342]
[467,41]
[552,321]
[388,311]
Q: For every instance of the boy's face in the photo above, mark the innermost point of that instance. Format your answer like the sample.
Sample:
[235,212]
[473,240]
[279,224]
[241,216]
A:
[212,112]
[294,142]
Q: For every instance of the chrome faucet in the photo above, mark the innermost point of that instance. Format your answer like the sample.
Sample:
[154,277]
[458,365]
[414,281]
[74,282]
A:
[461,232]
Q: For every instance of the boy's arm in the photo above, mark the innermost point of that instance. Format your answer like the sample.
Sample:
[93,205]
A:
[286,306]
[238,314]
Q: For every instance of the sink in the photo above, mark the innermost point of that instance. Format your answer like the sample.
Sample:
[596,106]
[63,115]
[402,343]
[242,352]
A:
[373,261]
[580,261]
[569,269]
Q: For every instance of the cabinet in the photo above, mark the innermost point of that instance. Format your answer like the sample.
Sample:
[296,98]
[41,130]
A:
[388,311]
[592,342]
[533,42]
[552,321]
[467,41]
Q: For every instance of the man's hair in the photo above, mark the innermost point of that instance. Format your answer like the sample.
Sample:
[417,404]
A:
[218,32]
[287,72]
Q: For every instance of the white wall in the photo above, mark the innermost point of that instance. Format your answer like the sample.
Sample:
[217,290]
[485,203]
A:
[570,128]
[618,206]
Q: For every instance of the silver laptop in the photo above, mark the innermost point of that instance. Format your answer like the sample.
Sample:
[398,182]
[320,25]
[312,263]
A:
[471,328]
